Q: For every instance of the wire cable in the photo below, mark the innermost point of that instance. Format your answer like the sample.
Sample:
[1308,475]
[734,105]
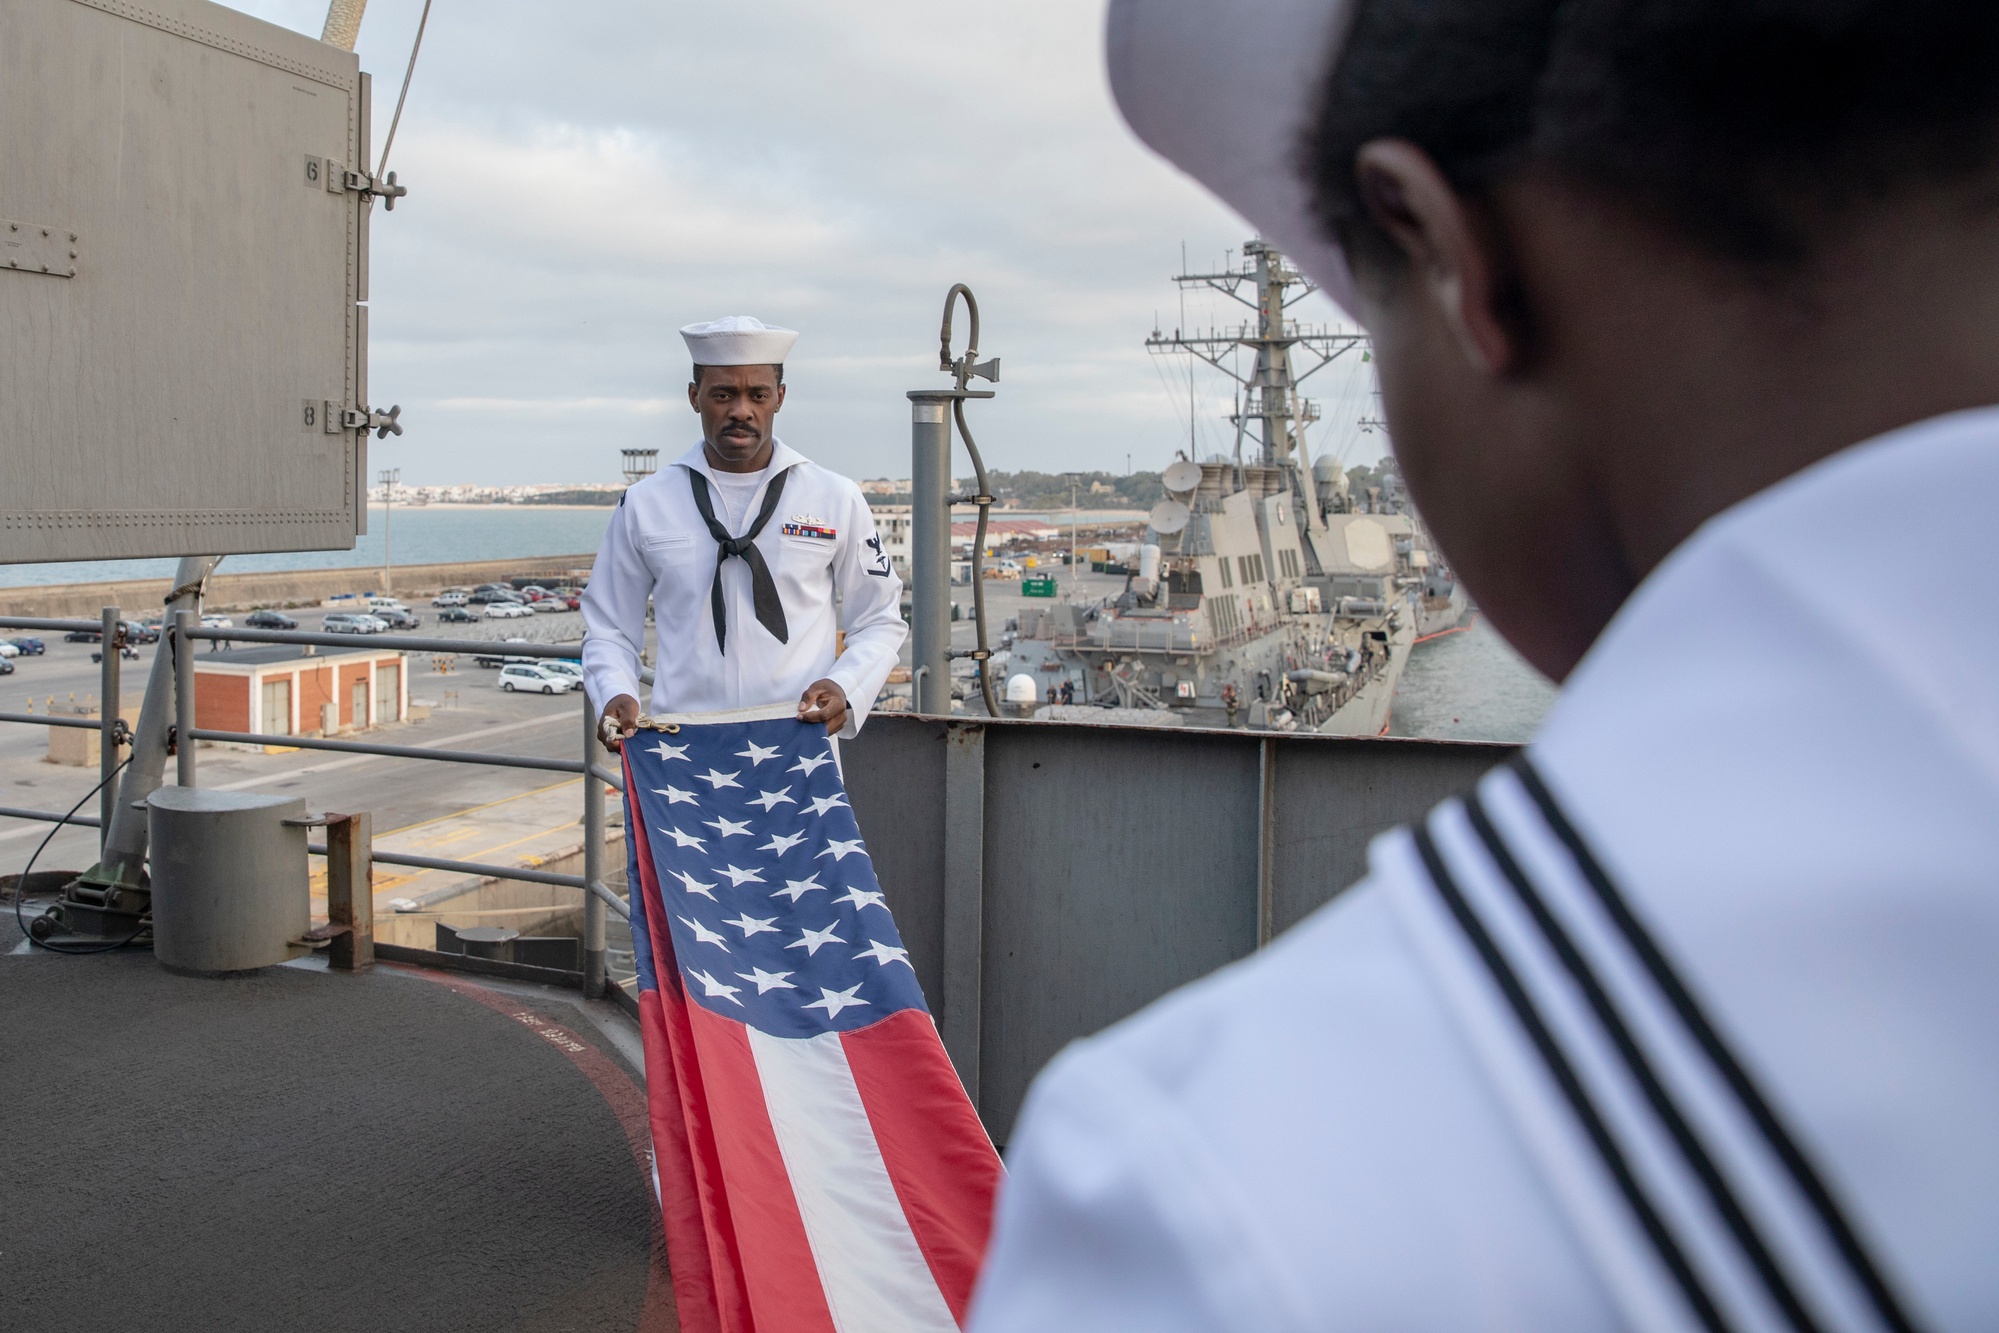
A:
[402,96]
[964,368]
[21,885]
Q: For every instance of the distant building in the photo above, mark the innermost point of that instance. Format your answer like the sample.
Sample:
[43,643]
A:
[282,690]
[883,486]
[892,523]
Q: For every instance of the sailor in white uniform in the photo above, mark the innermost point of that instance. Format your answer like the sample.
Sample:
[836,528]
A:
[1690,1018]
[753,558]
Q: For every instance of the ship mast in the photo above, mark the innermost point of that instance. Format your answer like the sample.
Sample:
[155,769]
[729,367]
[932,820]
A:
[1269,393]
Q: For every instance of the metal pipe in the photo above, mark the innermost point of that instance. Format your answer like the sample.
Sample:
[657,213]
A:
[183,648]
[49,720]
[930,550]
[593,858]
[107,722]
[391,751]
[611,900]
[409,643]
[469,867]
[48,817]
[607,777]
[123,863]
[44,623]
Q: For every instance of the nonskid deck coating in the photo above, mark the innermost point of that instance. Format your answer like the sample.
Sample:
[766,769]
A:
[300,1149]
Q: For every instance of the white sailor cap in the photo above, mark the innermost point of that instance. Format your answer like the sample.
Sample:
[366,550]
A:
[1226,90]
[738,340]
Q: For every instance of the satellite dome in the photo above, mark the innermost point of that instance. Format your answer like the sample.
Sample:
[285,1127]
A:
[1021,689]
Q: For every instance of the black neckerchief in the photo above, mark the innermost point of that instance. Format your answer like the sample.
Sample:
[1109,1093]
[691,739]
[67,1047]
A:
[763,589]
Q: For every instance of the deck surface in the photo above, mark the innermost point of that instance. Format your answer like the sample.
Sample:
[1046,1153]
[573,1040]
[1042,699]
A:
[301,1149]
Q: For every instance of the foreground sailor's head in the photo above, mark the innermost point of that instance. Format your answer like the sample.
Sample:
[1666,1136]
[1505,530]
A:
[737,388]
[1625,262]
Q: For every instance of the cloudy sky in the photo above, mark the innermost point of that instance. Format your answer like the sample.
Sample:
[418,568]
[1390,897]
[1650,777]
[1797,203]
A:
[585,178]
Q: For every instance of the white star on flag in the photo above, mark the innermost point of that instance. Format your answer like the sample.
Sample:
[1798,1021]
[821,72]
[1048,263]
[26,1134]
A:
[807,764]
[714,987]
[707,936]
[717,779]
[770,800]
[756,754]
[782,842]
[674,795]
[753,925]
[728,828]
[883,954]
[798,888]
[810,940]
[860,898]
[840,849]
[665,751]
[694,885]
[739,877]
[833,1001]
[686,839]
[821,804]
[767,981]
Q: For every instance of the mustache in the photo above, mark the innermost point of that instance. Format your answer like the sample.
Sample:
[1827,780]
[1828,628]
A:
[739,428]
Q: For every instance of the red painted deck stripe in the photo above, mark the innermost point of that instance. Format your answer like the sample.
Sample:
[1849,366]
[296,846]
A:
[627,1102]
[943,1166]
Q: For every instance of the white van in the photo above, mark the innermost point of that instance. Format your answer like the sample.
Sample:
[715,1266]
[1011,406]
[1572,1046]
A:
[534,679]
[386,604]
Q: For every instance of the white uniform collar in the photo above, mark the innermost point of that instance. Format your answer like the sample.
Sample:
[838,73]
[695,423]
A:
[782,456]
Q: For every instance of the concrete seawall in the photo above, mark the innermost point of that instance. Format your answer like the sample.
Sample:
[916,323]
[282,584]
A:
[233,592]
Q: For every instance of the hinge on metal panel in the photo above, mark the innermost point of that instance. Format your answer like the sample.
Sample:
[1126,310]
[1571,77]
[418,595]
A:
[384,424]
[339,177]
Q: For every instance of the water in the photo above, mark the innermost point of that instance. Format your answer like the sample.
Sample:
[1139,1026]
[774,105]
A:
[421,536]
[1470,687]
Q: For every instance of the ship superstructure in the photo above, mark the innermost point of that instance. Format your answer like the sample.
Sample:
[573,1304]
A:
[1267,593]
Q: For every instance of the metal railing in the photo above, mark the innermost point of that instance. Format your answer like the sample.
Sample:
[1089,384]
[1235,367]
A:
[179,639]
[111,728]
[597,894]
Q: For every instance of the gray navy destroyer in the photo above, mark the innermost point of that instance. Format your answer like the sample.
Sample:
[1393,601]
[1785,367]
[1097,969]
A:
[1267,593]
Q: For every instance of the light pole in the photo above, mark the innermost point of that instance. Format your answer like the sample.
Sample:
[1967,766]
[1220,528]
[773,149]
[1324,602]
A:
[390,476]
[1075,579]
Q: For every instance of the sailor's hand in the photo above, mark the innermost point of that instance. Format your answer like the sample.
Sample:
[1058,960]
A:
[824,701]
[620,719]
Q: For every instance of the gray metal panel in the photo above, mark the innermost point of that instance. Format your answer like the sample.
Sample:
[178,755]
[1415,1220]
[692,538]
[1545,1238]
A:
[894,771]
[1119,865]
[153,404]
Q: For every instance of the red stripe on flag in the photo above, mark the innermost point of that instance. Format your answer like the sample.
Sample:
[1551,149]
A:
[700,1245]
[943,1165]
[778,1269]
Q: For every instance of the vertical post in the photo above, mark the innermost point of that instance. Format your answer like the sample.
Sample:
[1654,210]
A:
[183,649]
[350,891]
[107,727]
[962,1024]
[930,550]
[1266,846]
[593,857]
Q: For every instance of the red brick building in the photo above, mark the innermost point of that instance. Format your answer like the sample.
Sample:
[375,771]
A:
[282,690]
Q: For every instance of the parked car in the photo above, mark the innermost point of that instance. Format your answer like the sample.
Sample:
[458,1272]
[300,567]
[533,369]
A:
[217,622]
[490,660]
[573,670]
[6,666]
[82,636]
[8,650]
[488,596]
[377,605]
[549,604]
[449,597]
[507,610]
[398,618]
[269,620]
[346,622]
[457,615]
[146,631]
[534,679]
[30,647]
[125,650]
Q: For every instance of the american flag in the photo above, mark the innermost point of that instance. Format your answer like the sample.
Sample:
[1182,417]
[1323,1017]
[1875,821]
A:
[820,1166]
